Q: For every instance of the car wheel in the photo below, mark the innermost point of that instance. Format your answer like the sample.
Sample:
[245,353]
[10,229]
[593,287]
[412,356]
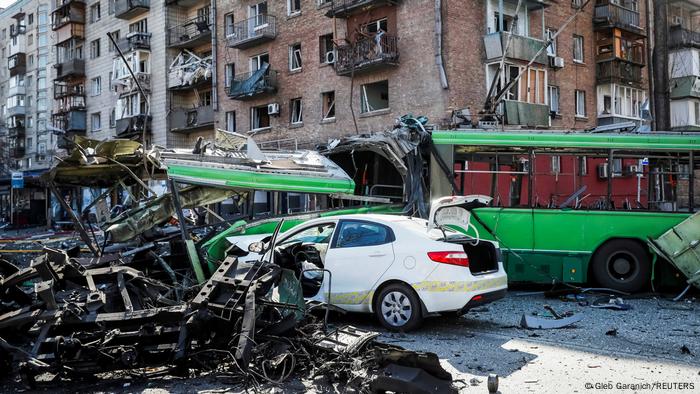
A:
[622,265]
[398,308]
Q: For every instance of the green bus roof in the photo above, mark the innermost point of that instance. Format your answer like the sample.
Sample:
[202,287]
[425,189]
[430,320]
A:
[539,139]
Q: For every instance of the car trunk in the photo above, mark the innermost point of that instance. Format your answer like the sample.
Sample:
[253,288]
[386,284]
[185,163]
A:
[483,256]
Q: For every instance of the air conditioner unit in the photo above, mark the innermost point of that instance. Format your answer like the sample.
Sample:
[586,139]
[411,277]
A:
[632,169]
[677,20]
[556,62]
[273,109]
[330,57]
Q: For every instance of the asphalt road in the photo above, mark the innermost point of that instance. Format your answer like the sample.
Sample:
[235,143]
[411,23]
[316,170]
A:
[653,347]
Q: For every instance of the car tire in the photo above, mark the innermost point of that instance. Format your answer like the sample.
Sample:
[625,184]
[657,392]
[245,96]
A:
[622,265]
[398,308]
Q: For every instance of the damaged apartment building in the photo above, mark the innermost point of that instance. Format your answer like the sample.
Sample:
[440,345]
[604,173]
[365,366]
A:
[308,70]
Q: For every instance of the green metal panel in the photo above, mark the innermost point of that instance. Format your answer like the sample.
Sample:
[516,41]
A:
[534,139]
[526,114]
[541,244]
[259,180]
[679,246]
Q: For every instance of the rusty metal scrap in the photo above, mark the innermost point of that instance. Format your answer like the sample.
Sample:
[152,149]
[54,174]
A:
[142,309]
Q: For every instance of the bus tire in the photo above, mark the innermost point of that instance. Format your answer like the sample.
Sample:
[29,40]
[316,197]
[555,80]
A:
[622,265]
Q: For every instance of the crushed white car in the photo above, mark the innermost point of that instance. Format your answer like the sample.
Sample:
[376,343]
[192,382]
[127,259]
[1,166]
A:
[400,268]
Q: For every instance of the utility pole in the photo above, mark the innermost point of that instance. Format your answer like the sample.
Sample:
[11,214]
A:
[660,77]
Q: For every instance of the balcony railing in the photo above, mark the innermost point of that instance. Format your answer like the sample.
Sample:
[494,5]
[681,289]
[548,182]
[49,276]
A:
[17,151]
[248,85]
[682,37]
[685,87]
[185,120]
[134,41]
[70,122]
[18,132]
[127,9]
[614,15]
[345,8]
[16,90]
[73,12]
[520,47]
[133,125]
[634,54]
[190,34]
[253,31]
[17,110]
[62,89]
[518,113]
[17,64]
[368,53]
[618,71]
[70,69]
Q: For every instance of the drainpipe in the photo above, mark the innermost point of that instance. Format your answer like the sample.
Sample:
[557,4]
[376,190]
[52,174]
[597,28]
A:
[438,44]
[214,54]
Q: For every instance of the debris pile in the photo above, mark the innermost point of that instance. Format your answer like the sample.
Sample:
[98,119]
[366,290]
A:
[69,317]
[188,69]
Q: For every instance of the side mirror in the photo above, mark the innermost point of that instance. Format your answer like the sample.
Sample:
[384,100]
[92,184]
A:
[256,247]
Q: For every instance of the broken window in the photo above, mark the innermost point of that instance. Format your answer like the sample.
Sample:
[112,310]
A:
[552,47]
[95,122]
[228,24]
[328,105]
[326,51]
[554,99]
[295,57]
[374,96]
[96,86]
[95,49]
[257,61]
[578,48]
[229,74]
[259,13]
[203,13]
[293,7]
[205,98]
[139,26]
[231,121]
[115,35]
[375,26]
[259,118]
[510,23]
[580,101]
[297,111]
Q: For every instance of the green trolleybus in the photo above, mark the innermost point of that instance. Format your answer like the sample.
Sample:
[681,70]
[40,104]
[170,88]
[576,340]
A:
[572,207]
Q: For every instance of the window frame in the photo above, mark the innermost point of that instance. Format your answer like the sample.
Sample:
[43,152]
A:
[577,101]
[292,52]
[578,39]
[93,116]
[293,109]
[390,236]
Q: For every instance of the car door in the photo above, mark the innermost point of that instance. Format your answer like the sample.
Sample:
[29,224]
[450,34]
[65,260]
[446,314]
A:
[361,252]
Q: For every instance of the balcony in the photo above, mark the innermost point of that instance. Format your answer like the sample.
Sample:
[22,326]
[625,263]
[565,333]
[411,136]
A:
[252,84]
[133,125]
[680,37]
[190,34]
[70,122]
[518,113]
[71,11]
[346,8]
[176,83]
[368,54]
[17,151]
[618,71]
[127,9]
[70,31]
[186,120]
[134,41]
[183,3]
[17,64]
[18,110]
[253,31]
[74,68]
[609,15]
[685,87]
[520,47]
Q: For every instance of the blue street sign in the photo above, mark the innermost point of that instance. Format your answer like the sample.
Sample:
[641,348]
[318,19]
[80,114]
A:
[17,180]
